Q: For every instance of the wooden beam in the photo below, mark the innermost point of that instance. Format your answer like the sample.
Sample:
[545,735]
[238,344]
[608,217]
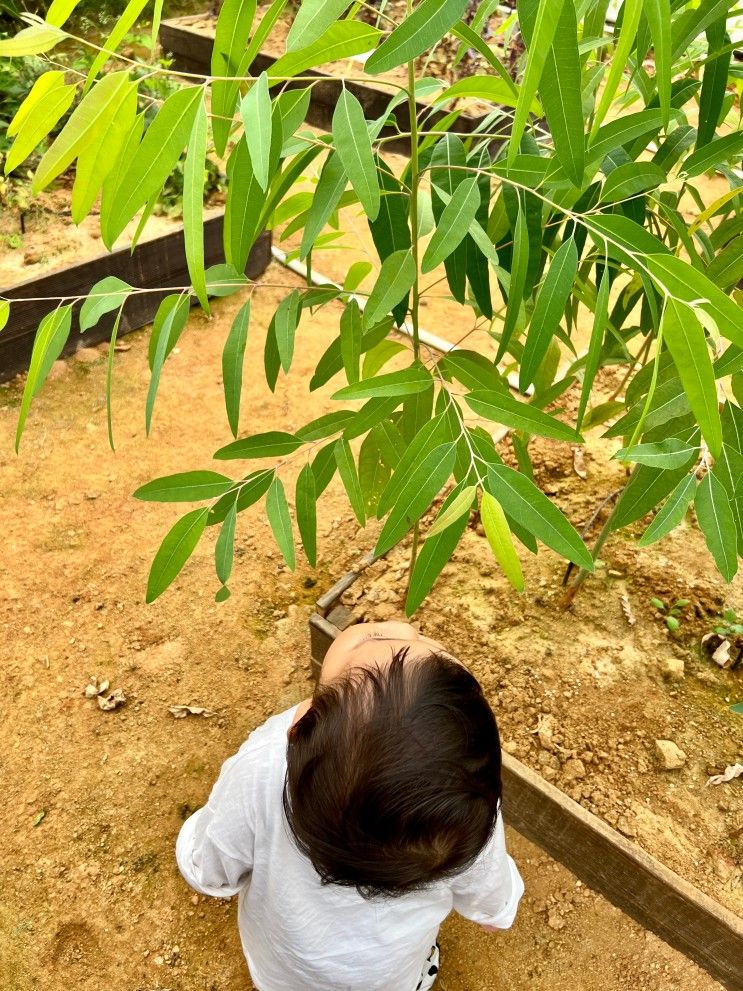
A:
[638,884]
[159,262]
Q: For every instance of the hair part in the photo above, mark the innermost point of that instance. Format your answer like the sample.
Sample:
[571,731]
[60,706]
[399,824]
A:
[393,775]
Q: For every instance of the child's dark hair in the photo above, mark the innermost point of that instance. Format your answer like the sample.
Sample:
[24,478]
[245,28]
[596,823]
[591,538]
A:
[394,775]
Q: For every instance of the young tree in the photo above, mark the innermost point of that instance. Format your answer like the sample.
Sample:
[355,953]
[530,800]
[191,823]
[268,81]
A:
[581,207]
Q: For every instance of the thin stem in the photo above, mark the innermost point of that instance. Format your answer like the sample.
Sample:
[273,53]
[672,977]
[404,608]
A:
[414,181]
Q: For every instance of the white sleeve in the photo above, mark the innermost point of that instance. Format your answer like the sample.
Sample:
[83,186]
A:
[489,891]
[214,849]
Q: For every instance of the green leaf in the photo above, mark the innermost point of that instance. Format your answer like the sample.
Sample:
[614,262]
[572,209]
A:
[156,156]
[433,434]
[560,86]
[88,117]
[312,19]
[434,554]
[351,336]
[99,156]
[460,505]
[228,59]
[548,310]
[545,25]
[669,453]
[406,382]
[107,295]
[502,408]
[4,313]
[329,189]
[630,180]
[46,104]
[453,224]
[517,285]
[50,339]
[726,268]
[286,320]
[714,83]
[271,444]
[522,500]
[416,495]
[353,146]
[672,512]
[244,207]
[631,13]
[193,205]
[342,40]
[619,132]
[31,41]
[233,358]
[378,356]
[684,337]
[717,523]
[471,39]
[306,505]
[394,281]
[658,13]
[248,492]
[715,153]
[325,425]
[222,594]
[175,550]
[164,336]
[499,537]
[486,88]
[224,280]
[224,549]
[255,111]
[59,11]
[356,275]
[186,486]
[124,23]
[349,477]
[593,358]
[323,467]
[645,489]
[277,511]
[423,29]
[374,473]
[691,286]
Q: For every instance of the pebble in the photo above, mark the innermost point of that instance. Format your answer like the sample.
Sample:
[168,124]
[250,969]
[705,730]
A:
[673,669]
[59,370]
[670,756]
[574,769]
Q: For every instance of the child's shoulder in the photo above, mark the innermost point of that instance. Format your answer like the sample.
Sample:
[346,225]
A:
[267,743]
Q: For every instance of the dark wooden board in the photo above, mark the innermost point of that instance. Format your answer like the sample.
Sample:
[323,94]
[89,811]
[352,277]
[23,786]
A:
[160,262]
[598,855]
[192,50]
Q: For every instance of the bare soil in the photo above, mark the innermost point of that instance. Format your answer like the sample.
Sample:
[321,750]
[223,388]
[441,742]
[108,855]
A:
[91,896]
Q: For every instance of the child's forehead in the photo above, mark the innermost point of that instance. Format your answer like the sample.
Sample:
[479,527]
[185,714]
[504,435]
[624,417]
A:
[375,645]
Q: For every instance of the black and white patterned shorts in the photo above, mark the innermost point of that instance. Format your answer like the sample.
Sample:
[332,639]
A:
[430,970]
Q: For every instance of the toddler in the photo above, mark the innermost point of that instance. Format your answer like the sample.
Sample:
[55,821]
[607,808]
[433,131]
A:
[351,825]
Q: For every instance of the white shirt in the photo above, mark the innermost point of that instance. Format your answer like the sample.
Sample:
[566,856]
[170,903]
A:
[298,933]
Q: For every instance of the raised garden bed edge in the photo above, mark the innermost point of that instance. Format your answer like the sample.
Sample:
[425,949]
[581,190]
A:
[599,856]
[157,263]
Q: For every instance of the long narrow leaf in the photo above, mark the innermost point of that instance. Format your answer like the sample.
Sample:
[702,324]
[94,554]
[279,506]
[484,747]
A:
[233,358]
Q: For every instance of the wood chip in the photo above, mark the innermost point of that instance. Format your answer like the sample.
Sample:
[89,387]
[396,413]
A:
[729,774]
[579,463]
[181,711]
[112,701]
[627,610]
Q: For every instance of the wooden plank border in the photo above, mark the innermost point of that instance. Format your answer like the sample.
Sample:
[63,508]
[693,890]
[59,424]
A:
[192,50]
[638,884]
[159,262]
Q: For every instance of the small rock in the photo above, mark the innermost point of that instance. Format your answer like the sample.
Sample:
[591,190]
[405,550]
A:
[672,668]
[86,356]
[510,746]
[555,920]
[670,756]
[31,257]
[60,504]
[626,828]
[92,495]
[574,769]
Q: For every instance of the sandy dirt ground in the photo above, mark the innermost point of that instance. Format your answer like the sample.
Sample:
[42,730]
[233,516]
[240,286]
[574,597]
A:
[90,894]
